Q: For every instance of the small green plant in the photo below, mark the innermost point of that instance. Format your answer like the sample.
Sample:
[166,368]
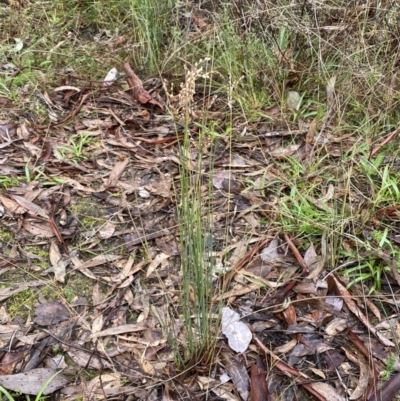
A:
[374,268]
[75,151]
[370,270]
[7,181]
[389,369]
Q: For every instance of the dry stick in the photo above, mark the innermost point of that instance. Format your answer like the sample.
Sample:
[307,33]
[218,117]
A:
[387,140]
[296,253]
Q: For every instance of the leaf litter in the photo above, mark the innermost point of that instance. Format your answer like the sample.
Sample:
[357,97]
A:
[102,211]
[130,205]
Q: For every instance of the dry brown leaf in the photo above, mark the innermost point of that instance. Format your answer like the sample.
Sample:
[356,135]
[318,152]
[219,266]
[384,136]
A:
[106,231]
[336,326]
[238,373]
[117,172]
[51,313]
[34,381]
[57,262]
[158,260]
[99,260]
[9,361]
[30,206]
[341,290]
[259,388]
[363,380]
[125,328]
[327,391]
[283,349]
[98,386]
[138,92]
[86,359]
[41,229]
[12,206]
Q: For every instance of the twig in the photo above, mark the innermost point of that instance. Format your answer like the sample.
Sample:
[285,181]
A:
[296,253]
[385,141]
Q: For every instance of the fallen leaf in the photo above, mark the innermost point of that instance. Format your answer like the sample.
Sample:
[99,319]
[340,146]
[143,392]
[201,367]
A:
[158,260]
[30,206]
[34,381]
[116,172]
[259,388]
[86,359]
[237,333]
[138,92]
[9,361]
[110,77]
[106,231]
[51,313]
[125,328]
[334,282]
[57,262]
[41,229]
[327,391]
[99,260]
[238,373]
